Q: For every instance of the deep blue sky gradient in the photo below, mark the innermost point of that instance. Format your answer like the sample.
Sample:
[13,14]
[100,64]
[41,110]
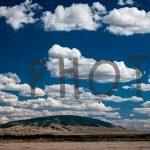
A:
[18,47]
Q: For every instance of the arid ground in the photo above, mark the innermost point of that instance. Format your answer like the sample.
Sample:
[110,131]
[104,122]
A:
[75,146]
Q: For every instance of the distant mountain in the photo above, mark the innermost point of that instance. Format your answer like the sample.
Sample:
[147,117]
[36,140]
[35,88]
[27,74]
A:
[60,125]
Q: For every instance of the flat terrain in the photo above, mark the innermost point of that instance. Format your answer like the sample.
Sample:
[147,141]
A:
[75,145]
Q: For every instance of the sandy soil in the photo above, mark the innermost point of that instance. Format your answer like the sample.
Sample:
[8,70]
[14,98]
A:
[75,146]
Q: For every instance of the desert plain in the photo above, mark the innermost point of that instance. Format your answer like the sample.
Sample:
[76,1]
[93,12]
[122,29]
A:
[139,145]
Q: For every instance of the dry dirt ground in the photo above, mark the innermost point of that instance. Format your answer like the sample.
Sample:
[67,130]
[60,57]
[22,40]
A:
[75,146]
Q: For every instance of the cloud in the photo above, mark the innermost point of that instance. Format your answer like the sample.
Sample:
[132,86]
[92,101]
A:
[126,87]
[143,87]
[149,79]
[142,111]
[54,90]
[138,124]
[87,101]
[145,110]
[9,78]
[11,82]
[66,52]
[13,113]
[119,99]
[132,115]
[125,2]
[45,107]
[104,73]
[14,108]
[19,15]
[23,89]
[65,105]
[84,95]
[124,21]
[76,17]
[3,120]
[8,97]
[127,21]
[146,104]
[88,105]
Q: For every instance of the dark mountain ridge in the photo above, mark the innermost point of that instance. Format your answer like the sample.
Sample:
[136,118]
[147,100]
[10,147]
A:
[62,125]
[64,120]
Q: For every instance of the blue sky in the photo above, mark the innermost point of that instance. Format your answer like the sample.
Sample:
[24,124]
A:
[89,30]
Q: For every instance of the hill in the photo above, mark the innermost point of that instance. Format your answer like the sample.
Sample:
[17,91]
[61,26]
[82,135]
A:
[60,124]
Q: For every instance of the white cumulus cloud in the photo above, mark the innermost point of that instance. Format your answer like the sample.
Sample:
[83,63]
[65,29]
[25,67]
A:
[87,105]
[15,109]
[138,124]
[125,2]
[7,97]
[19,15]
[146,104]
[142,111]
[104,73]
[11,82]
[145,110]
[119,99]
[142,86]
[9,78]
[76,17]
[127,21]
